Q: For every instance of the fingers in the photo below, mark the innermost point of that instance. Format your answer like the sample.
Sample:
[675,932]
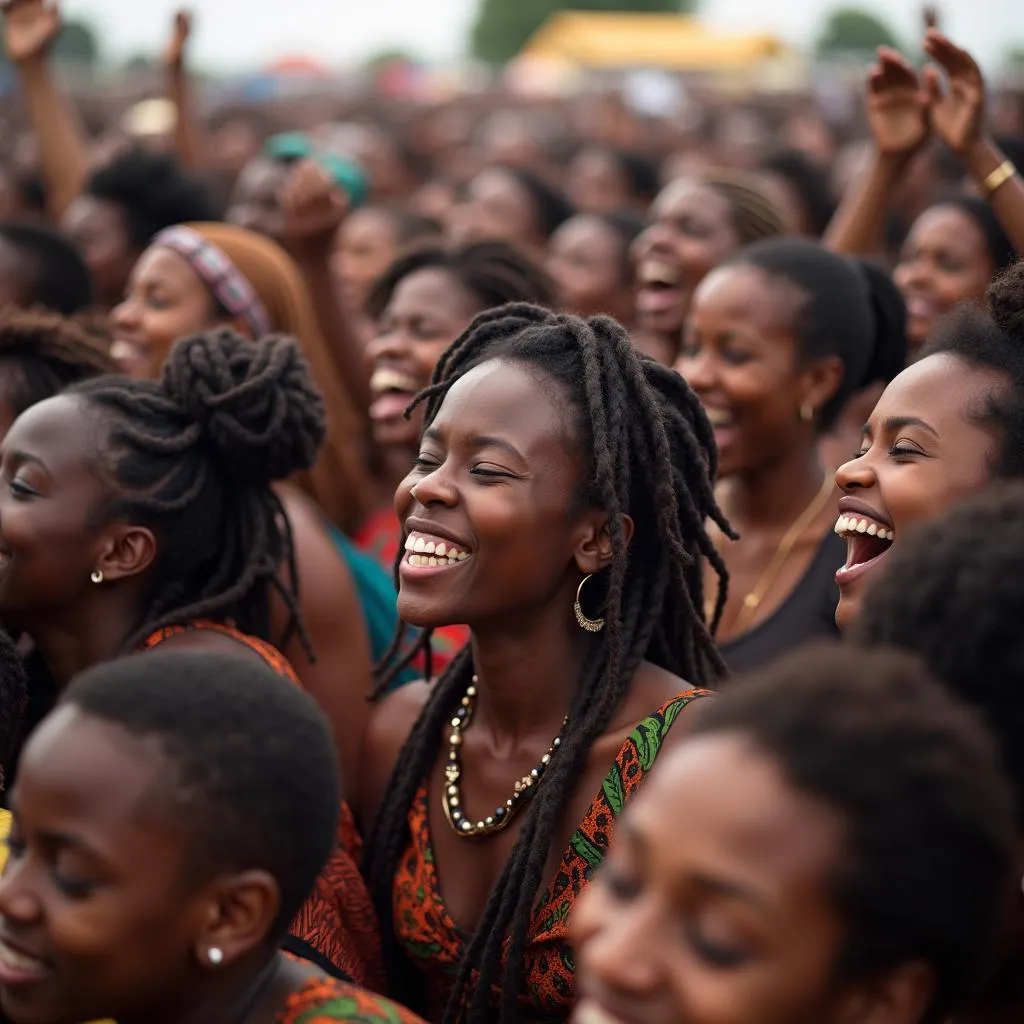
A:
[955,60]
[892,70]
[933,86]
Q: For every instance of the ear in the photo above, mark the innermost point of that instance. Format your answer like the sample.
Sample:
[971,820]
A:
[820,379]
[126,551]
[901,995]
[594,542]
[237,916]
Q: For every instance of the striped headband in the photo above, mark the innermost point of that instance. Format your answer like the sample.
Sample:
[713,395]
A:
[230,287]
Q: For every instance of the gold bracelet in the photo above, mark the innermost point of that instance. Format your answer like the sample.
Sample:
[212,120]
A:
[999,177]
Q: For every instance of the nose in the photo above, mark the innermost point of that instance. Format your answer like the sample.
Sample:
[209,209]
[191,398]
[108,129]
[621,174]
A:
[698,369]
[650,241]
[914,273]
[391,344]
[18,903]
[621,956]
[436,488]
[857,474]
[125,316]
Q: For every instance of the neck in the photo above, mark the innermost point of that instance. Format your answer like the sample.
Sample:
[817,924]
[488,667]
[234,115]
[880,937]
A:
[248,993]
[529,670]
[83,637]
[773,495]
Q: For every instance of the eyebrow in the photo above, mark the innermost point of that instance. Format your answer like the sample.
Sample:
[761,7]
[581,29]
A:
[479,441]
[22,457]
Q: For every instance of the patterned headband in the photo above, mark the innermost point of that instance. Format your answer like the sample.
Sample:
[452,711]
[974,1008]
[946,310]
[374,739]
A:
[229,285]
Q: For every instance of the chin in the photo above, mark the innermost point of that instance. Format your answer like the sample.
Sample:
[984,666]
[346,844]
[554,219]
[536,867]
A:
[847,612]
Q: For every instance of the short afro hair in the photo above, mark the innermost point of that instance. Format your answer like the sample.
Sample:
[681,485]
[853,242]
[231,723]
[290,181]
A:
[993,341]
[153,192]
[13,706]
[926,867]
[253,773]
[951,594]
[52,274]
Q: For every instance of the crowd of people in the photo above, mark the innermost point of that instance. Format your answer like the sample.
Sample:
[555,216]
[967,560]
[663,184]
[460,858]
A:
[511,574]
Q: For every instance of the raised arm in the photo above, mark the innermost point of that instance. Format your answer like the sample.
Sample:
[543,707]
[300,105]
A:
[30,28]
[313,209]
[958,117]
[897,112]
[189,139]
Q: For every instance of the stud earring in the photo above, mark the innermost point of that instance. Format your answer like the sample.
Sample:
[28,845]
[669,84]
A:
[215,955]
[807,412]
[97,576]
[590,625]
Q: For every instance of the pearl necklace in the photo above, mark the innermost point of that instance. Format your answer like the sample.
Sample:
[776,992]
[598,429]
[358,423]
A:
[452,800]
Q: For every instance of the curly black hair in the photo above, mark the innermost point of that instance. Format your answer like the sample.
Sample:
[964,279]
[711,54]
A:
[50,274]
[193,457]
[926,860]
[993,341]
[251,774]
[153,192]
[649,453]
[951,594]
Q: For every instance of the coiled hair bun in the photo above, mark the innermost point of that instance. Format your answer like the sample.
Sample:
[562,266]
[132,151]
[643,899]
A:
[255,401]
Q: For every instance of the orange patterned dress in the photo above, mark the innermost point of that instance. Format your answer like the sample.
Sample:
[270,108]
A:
[436,945]
[326,1001]
[337,927]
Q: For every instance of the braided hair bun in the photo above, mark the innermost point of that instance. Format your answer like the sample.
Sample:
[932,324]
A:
[255,401]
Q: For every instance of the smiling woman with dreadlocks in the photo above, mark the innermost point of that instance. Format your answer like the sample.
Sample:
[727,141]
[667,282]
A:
[557,507]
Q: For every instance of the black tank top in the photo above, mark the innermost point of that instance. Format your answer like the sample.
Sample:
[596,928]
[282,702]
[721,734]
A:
[807,614]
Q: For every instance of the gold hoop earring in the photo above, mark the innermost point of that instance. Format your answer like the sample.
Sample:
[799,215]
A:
[807,412]
[97,576]
[590,625]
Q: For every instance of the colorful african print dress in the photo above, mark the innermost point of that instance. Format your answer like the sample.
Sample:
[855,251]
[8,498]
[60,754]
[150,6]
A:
[322,1000]
[336,929]
[436,945]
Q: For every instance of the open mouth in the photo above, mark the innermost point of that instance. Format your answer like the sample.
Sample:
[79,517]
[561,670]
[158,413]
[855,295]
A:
[867,542]
[392,392]
[426,551]
[661,286]
[17,968]
[720,418]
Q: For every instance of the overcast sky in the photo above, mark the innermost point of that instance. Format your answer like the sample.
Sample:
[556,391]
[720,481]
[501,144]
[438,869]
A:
[238,34]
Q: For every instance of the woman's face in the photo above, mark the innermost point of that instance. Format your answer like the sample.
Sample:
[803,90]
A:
[165,300]
[256,203]
[944,262]
[586,261]
[49,487]
[741,357]
[922,450]
[495,207]
[97,229]
[719,912]
[491,498]
[596,183]
[97,918]
[366,248]
[691,232]
[428,310]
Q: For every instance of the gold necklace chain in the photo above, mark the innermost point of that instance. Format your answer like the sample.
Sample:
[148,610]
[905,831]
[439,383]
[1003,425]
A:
[452,799]
[753,600]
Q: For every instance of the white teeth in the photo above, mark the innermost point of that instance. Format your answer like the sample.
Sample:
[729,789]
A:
[431,561]
[429,549]
[410,543]
[440,550]
[421,545]
[849,524]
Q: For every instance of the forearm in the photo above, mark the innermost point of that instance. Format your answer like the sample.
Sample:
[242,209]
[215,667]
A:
[1007,200]
[858,227]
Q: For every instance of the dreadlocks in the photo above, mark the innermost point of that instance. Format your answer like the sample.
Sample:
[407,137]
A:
[193,457]
[651,456]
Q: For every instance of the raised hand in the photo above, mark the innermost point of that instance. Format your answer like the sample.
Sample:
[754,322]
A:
[897,105]
[957,108]
[174,56]
[30,27]
[312,206]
